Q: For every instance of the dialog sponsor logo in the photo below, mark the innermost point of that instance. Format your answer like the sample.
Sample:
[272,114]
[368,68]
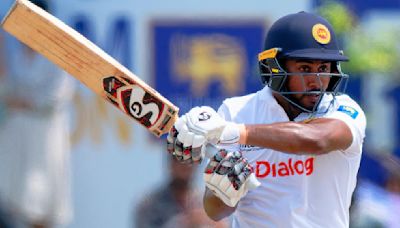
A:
[291,167]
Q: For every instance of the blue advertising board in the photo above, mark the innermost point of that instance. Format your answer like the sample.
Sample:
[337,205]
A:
[202,63]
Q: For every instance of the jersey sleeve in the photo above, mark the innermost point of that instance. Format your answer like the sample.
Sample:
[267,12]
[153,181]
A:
[223,111]
[353,116]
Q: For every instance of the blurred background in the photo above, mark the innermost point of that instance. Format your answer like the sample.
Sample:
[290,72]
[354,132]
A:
[198,53]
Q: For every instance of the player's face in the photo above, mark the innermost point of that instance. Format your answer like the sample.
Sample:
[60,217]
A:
[307,83]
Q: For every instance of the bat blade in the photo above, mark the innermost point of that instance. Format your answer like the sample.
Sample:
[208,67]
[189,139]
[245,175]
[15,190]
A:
[88,63]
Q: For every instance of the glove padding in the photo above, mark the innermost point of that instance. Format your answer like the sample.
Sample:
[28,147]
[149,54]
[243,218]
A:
[191,133]
[229,176]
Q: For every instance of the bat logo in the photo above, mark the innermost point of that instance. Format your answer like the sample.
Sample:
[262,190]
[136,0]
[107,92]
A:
[138,109]
[134,100]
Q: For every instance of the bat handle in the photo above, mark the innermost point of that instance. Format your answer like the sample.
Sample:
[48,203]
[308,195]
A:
[211,150]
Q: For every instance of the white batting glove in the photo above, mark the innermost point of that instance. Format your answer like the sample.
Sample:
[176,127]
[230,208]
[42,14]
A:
[194,130]
[189,148]
[203,121]
[229,176]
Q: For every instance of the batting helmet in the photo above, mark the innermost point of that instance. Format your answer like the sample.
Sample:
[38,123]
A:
[301,36]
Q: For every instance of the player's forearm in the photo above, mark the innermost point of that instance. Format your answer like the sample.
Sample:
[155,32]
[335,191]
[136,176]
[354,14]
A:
[215,208]
[288,137]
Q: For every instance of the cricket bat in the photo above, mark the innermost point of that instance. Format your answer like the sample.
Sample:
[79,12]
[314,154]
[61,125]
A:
[85,61]
[101,73]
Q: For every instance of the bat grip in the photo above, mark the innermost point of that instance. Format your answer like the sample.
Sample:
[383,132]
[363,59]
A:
[211,150]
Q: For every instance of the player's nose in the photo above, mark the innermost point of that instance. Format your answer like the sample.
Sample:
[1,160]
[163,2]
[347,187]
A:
[313,82]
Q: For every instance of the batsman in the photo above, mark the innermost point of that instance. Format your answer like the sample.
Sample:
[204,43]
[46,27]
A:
[300,136]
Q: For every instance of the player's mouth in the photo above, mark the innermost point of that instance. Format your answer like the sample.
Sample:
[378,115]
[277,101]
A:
[313,97]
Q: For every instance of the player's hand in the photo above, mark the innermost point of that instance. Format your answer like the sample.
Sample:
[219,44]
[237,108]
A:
[229,176]
[194,130]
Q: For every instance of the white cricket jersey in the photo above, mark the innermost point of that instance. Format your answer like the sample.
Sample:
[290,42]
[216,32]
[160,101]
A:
[297,190]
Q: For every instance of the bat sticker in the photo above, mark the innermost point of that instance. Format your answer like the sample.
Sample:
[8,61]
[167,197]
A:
[133,100]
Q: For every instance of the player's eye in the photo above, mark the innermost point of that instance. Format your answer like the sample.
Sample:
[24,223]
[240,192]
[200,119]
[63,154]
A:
[305,69]
[323,69]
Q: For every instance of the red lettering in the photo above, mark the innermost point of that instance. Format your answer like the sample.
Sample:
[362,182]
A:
[274,170]
[258,168]
[309,166]
[283,169]
[296,166]
[290,166]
